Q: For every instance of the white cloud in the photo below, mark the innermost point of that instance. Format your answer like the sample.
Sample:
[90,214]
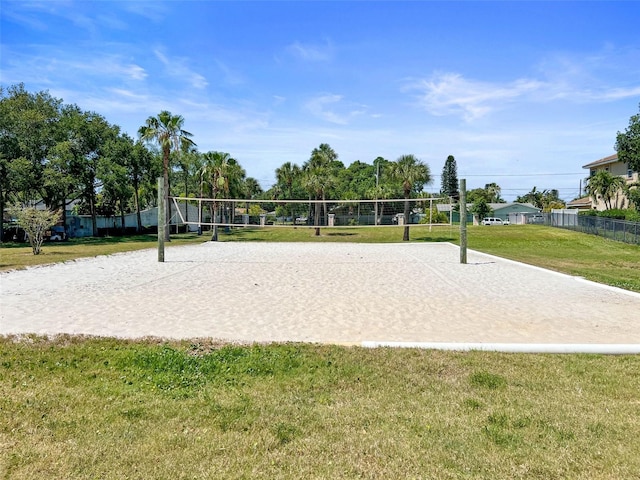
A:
[176,67]
[156,13]
[231,77]
[312,53]
[620,93]
[451,93]
[30,14]
[331,108]
[318,106]
[58,67]
[608,75]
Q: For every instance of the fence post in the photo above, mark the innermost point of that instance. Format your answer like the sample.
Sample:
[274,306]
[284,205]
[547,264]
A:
[463,221]
[161,219]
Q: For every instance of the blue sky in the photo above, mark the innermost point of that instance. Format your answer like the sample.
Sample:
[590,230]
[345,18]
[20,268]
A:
[521,93]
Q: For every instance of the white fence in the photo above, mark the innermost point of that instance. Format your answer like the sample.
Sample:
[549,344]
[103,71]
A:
[81,225]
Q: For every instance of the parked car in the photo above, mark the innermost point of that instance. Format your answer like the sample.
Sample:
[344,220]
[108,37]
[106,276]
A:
[56,234]
[494,221]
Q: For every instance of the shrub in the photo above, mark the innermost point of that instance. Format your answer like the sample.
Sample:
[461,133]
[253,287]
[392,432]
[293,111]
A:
[615,213]
[436,217]
[628,214]
[35,223]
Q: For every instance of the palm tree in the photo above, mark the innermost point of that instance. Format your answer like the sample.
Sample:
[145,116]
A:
[312,182]
[379,192]
[323,164]
[166,130]
[225,178]
[603,185]
[251,190]
[493,192]
[190,162]
[286,175]
[412,174]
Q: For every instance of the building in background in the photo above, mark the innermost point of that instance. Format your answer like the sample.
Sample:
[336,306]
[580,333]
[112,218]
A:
[615,167]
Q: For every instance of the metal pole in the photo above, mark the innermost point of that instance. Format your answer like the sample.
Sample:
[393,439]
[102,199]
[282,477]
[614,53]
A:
[430,213]
[463,221]
[161,219]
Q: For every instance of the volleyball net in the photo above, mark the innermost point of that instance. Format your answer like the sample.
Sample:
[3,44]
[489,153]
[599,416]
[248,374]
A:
[209,212]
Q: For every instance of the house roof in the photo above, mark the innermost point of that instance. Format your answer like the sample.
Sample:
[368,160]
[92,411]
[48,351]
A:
[603,161]
[580,202]
[499,206]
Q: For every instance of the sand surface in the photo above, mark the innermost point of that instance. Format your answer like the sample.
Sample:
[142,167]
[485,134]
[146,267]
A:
[316,292]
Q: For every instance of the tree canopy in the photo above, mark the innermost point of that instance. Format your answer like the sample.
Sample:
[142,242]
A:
[490,194]
[543,199]
[412,174]
[166,130]
[449,179]
[628,144]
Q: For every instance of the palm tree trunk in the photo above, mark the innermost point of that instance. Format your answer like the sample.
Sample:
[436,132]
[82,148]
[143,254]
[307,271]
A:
[214,213]
[136,201]
[324,204]
[1,210]
[316,217]
[94,220]
[405,236]
[186,202]
[375,213]
[122,225]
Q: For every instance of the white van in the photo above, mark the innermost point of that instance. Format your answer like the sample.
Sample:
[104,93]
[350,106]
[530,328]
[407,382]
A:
[494,221]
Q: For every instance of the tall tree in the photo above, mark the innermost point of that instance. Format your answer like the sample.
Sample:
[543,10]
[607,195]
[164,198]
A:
[493,193]
[356,180]
[28,130]
[321,175]
[313,182]
[379,193]
[251,190]
[628,144]
[166,130]
[225,177]
[286,175]
[114,171]
[116,189]
[413,175]
[59,183]
[450,179]
[189,161]
[140,170]
[86,134]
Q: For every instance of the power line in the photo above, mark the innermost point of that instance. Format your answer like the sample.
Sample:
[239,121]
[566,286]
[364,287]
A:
[517,174]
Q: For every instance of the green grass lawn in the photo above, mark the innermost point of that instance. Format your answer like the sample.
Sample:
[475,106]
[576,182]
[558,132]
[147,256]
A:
[100,408]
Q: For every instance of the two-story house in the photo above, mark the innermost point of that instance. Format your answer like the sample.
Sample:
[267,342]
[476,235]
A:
[614,166]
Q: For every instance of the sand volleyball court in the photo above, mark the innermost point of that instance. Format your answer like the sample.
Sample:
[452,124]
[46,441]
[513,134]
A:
[316,292]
